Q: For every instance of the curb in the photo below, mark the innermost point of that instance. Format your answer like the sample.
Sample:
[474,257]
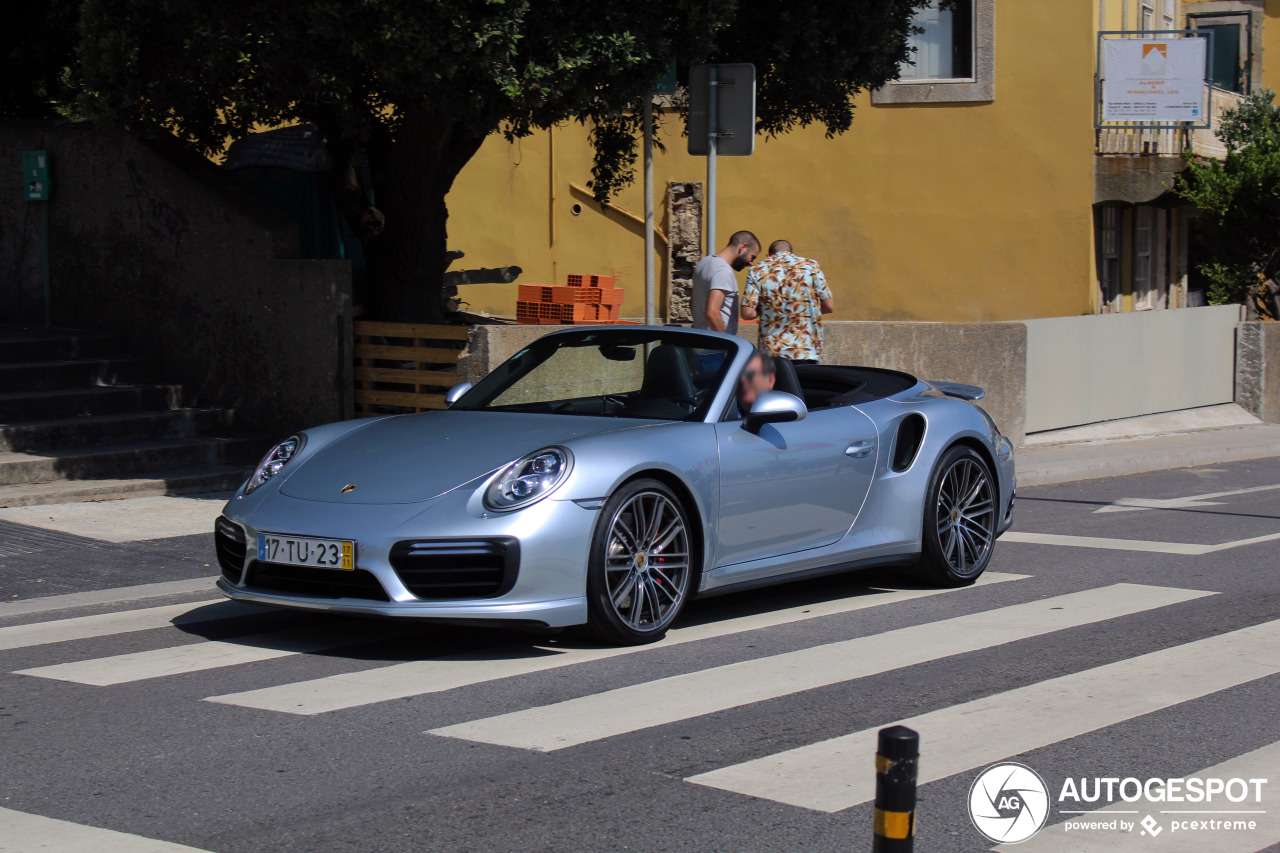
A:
[1117,464]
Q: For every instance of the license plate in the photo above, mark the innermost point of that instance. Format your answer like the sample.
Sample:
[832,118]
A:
[306,551]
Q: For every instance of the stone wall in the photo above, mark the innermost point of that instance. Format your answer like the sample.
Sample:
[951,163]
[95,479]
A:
[157,244]
[684,247]
[1258,370]
[990,355]
[489,346]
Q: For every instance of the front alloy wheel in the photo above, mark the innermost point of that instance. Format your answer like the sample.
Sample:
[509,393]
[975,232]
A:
[640,570]
[959,519]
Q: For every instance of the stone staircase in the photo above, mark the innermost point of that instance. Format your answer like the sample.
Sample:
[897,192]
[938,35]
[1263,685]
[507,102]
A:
[80,419]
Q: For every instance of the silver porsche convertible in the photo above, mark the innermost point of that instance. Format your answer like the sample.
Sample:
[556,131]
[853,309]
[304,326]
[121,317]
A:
[603,476]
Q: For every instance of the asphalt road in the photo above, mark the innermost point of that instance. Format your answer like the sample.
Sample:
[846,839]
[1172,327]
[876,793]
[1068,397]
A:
[1129,643]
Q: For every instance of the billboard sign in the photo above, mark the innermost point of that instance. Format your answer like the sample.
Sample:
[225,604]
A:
[1150,80]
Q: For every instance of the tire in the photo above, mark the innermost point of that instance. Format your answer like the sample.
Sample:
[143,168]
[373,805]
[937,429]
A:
[636,589]
[960,518]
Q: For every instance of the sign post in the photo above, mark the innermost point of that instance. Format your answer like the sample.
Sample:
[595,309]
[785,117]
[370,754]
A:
[722,121]
[666,86]
[648,211]
[713,145]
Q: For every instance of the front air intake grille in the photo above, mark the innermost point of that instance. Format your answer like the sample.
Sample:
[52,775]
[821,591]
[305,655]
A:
[229,544]
[457,568]
[317,583]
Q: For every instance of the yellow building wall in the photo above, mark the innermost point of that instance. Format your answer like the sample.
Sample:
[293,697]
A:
[1270,40]
[946,212]
[1271,47]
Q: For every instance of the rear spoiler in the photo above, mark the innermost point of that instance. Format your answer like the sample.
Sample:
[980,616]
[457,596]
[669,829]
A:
[955,389]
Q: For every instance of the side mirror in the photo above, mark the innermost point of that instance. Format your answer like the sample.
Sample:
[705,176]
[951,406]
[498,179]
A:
[774,407]
[453,394]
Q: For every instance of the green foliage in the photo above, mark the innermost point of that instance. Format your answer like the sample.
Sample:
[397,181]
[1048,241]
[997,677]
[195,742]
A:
[1238,200]
[37,51]
[209,71]
[413,87]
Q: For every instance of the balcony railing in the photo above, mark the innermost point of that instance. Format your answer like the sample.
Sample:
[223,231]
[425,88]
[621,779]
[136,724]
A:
[1170,141]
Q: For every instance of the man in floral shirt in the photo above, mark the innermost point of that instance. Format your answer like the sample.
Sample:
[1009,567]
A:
[789,294]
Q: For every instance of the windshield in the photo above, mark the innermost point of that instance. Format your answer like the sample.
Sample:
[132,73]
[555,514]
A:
[642,373]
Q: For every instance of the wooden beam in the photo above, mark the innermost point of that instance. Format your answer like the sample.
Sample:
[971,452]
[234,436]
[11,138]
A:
[395,398]
[437,378]
[431,355]
[621,211]
[412,330]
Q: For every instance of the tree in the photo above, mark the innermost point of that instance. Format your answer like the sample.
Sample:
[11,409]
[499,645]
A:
[37,51]
[413,87]
[1238,200]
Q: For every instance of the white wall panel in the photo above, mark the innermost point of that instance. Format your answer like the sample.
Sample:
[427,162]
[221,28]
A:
[1082,370]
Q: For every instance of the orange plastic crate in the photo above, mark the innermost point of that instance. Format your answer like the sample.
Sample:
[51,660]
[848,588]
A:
[568,313]
[590,281]
[557,313]
[600,314]
[535,293]
[590,295]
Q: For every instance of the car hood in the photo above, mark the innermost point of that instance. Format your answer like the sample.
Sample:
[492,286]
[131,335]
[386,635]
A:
[414,458]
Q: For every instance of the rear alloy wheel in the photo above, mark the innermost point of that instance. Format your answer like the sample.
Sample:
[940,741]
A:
[641,569]
[959,518]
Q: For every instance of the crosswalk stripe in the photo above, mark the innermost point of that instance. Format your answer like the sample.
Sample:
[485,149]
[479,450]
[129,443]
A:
[123,622]
[416,678]
[694,694]
[1259,764]
[835,774]
[195,657]
[1183,548]
[112,595]
[1063,540]
[26,833]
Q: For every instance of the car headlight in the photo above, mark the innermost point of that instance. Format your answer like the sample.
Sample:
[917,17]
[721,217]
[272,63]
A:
[528,479]
[276,459]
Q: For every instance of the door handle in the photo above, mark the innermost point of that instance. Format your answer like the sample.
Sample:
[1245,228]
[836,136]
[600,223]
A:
[859,449]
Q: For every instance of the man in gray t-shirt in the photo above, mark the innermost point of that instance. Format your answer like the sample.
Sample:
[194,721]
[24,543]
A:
[715,285]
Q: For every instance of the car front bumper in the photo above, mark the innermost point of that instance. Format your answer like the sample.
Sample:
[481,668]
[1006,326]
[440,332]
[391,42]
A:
[549,587]
[552,614]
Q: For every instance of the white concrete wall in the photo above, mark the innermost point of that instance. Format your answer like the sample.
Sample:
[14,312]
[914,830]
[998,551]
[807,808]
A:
[1082,370]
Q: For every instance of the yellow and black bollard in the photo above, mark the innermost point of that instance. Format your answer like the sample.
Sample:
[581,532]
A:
[896,756]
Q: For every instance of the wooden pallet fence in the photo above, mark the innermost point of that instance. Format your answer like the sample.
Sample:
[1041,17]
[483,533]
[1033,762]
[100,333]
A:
[405,365]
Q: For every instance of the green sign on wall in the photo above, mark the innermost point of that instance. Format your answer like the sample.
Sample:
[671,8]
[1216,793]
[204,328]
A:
[35,175]
[667,85]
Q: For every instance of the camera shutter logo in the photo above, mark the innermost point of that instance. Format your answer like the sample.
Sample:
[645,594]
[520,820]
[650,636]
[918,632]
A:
[1008,803]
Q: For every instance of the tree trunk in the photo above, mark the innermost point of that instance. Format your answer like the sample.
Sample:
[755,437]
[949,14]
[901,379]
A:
[412,174]
[349,192]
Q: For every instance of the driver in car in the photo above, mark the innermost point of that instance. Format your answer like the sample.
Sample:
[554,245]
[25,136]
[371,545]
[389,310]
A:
[758,376]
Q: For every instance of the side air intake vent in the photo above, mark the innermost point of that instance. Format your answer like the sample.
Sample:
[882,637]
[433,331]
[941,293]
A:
[907,442]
